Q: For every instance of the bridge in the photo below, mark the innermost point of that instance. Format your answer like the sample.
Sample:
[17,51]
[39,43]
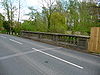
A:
[22,56]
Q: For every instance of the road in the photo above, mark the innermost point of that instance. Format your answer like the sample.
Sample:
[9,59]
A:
[20,56]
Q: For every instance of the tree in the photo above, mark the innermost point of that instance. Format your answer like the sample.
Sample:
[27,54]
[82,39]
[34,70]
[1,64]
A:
[28,26]
[6,26]
[80,17]
[87,19]
[58,23]
[10,9]
[2,18]
[32,14]
[48,9]
[19,7]
[73,15]
[6,8]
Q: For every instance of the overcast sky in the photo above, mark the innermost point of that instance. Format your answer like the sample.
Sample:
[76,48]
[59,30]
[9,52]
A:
[28,3]
[24,7]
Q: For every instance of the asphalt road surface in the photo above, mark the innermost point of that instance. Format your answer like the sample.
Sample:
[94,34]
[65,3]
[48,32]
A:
[20,56]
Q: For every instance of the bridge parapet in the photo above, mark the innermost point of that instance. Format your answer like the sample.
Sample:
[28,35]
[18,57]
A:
[75,41]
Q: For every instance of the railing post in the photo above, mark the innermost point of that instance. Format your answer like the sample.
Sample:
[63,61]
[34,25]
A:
[39,35]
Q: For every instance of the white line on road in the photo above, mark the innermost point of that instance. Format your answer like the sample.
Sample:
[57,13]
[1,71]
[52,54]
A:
[17,54]
[80,67]
[24,53]
[15,41]
[3,36]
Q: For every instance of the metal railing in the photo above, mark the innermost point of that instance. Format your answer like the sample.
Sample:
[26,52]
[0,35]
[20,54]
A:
[78,41]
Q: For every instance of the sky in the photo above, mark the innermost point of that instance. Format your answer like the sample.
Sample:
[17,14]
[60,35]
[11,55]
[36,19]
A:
[24,7]
[26,4]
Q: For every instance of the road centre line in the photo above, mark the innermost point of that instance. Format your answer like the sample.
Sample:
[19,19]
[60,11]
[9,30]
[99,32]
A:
[3,36]
[80,67]
[24,53]
[15,41]
[17,54]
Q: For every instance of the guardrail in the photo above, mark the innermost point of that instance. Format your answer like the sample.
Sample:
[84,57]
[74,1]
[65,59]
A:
[78,41]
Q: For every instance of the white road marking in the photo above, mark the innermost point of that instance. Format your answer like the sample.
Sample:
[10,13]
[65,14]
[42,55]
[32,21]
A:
[80,67]
[49,48]
[24,53]
[15,41]
[3,36]
[17,54]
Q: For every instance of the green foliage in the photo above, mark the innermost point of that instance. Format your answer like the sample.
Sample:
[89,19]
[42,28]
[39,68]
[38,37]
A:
[80,17]
[87,20]
[6,26]
[17,28]
[2,18]
[58,23]
[28,26]
[73,16]
[59,17]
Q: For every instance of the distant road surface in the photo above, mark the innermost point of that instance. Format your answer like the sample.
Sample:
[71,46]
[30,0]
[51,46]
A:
[20,56]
